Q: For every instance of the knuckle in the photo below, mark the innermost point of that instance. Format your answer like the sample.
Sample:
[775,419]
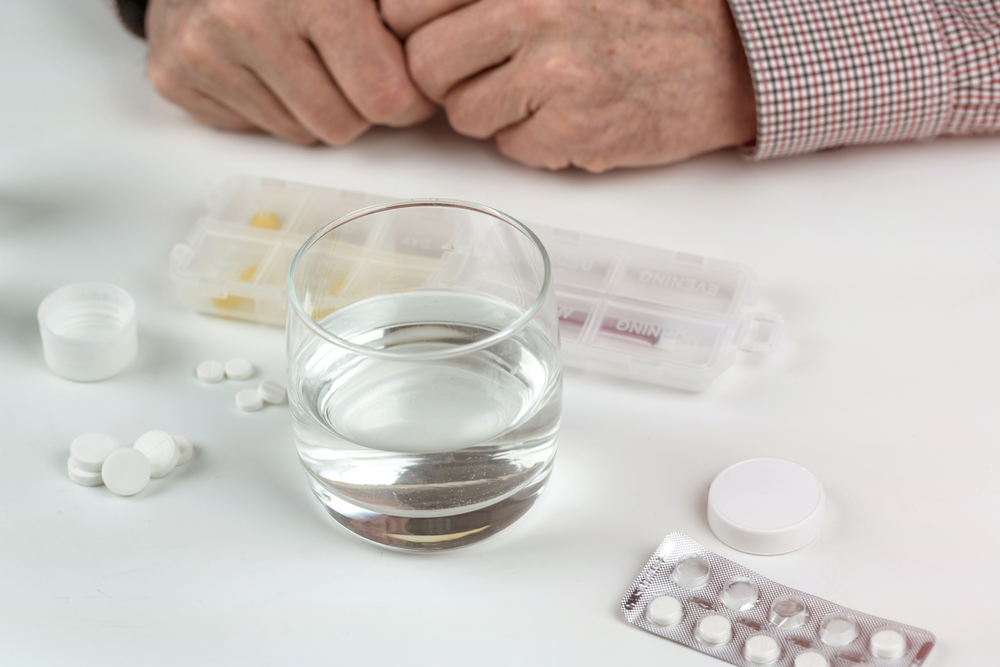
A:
[232,14]
[465,117]
[163,79]
[422,59]
[191,48]
[389,99]
[395,13]
[545,11]
[344,132]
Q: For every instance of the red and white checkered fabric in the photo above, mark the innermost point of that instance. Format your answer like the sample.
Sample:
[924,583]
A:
[836,72]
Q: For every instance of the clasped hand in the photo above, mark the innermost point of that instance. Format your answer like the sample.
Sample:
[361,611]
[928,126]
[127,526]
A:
[592,83]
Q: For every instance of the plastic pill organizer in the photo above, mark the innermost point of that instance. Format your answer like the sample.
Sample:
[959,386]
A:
[647,314]
[697,598]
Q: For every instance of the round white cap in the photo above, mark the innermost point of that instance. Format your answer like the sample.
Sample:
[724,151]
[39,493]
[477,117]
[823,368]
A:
[766,506]
[88,331]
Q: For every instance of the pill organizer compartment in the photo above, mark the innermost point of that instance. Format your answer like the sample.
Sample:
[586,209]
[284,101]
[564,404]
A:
[659,316]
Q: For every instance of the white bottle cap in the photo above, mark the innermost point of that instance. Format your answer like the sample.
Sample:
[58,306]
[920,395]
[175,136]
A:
[88,331]
[766,506]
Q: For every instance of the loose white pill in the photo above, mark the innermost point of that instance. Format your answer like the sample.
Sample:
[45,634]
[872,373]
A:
[837,630]
[161,449]
[82,477]
[714,630]
[888,645]
[126,471]
[665,610]
[249,400]
[90,449]
[271,392]
[210,371]
[186,448]
[761,650]
[238,369]
[811,659]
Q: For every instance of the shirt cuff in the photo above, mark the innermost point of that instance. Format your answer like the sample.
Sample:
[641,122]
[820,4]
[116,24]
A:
[830,74]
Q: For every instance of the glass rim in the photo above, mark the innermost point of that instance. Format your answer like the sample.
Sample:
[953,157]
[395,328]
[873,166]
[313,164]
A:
[493,339]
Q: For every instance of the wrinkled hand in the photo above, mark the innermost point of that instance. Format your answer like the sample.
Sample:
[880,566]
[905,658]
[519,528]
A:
[592,83]
[300,69]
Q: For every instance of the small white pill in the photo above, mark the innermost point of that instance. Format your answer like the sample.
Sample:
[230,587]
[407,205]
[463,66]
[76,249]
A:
[161,449]
[761,650]
[90,449]
[714,630]
[837,630]
[186,448]
[888,645]
[811,659]
[271,392]
[249,400]
[126,471]
[210,371]
[665,610]
[691,573]
[83,477]
[238,369]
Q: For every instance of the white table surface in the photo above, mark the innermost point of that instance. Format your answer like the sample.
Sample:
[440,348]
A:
[884,262]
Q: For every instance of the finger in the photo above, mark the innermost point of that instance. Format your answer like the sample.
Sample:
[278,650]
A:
[300,80]
[461,44]
[239,89]
[207,111]
[405,16]
[481,106]
[531,142]
[200,106]
[368,64]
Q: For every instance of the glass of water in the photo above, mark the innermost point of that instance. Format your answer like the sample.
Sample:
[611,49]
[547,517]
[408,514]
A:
[424,375]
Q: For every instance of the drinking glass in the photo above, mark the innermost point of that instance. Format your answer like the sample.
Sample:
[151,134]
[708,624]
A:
[424,375]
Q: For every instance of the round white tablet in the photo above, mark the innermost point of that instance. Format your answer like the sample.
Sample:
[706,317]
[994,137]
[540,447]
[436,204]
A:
[888,645]
[761,650]
[83,477]
[161,449]
[126,471]
[249,400]
[714,630]
[665,610]
[836,630]
[238,369]
[811,659]
[271,392]
[210,371]
[186,448]
[90,449]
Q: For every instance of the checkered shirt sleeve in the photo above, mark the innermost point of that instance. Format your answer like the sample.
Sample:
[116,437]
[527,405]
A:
[830,73]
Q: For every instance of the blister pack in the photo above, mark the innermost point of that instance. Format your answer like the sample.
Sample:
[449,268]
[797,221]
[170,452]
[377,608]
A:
[695,597]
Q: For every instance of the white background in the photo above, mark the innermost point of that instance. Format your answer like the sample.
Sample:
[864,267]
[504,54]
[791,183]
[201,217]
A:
[882,260]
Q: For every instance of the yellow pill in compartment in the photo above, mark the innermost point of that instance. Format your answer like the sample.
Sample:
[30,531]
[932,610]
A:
[234,302]
[266,220]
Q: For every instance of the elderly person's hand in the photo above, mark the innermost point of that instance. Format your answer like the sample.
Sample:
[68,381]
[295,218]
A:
[304,70]
[592,83]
